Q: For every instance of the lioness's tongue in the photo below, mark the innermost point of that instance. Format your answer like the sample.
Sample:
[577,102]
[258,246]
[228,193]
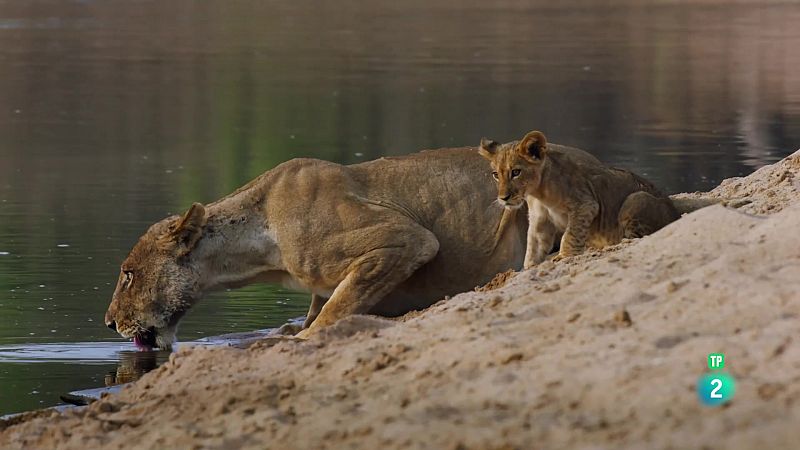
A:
[137,341]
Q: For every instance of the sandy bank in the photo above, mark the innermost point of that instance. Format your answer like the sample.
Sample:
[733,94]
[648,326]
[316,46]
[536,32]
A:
[601,351]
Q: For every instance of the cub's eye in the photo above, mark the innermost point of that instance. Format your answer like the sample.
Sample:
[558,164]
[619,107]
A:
[515,173]
[128,280]
[495,176]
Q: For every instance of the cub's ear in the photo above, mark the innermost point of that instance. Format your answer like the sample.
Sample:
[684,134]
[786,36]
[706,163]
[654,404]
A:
[184,234]
[533,145]
[488,148]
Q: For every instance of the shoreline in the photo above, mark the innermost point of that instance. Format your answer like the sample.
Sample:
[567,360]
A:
[603,349]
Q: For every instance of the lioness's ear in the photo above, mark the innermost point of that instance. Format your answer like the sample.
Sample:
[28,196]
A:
[488,148]
[188,230]
[533,145]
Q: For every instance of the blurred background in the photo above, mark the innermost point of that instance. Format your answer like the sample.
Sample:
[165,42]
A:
[114,114]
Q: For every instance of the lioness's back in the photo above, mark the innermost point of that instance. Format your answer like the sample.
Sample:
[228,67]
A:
[430,183]
[456,165]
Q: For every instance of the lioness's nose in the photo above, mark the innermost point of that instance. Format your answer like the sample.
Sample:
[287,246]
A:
[110,322]
[507,196]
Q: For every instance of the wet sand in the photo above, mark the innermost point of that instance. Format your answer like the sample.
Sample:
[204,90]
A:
[598,351]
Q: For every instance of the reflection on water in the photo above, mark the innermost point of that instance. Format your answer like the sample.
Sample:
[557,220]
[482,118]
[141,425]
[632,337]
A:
[54,368]
[68,352]
[115,114]
[132,365]
[128,363]
[35,373]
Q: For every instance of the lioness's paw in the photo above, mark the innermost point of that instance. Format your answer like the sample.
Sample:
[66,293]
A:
[304,334]
[288,329]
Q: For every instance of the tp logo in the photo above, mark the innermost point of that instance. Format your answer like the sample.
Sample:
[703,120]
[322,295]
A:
[717,387]
[716,361]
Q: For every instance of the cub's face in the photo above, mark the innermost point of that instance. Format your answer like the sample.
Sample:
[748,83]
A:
[157,283]
[516,167]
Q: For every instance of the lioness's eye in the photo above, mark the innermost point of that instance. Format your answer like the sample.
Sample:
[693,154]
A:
[515,173]
[126,283]
[495,176]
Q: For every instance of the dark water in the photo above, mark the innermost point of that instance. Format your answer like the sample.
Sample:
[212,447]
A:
[114,114]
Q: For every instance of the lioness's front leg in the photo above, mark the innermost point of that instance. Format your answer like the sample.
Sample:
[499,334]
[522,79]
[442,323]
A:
[579,223]
[378,272]
[317,302]
[541,235]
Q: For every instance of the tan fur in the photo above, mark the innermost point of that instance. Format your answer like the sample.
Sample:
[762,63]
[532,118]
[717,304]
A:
[383,237]
[572,196]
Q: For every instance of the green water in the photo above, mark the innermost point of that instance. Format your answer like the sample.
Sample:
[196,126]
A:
[115,114]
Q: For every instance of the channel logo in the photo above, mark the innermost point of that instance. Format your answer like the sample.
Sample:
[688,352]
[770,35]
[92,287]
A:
[716,387]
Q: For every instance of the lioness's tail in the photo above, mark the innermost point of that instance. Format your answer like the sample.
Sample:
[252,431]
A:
[685,205]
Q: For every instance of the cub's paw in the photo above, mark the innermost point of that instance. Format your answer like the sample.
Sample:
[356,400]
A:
[560,257]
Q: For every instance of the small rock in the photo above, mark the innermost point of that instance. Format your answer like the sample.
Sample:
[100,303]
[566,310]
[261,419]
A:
[551,287]
[768,391]
[105,407]
[673,286]
[574,317]
[665,342]
[782,347]
[623,318]
[516,356]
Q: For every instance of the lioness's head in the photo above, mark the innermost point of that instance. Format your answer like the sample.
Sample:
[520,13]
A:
[516,166]
[157,282]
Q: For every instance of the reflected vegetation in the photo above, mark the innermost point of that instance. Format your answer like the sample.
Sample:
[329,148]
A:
[116,114]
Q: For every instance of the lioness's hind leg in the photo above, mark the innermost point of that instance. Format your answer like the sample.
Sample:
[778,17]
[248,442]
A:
[643,213]
[378,272]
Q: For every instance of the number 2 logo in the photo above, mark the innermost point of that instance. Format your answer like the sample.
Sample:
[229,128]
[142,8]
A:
[715,392]
[714,389]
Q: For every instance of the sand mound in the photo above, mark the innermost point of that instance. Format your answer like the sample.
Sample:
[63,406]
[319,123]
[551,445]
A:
[599,351]
[765,191]
[497,282]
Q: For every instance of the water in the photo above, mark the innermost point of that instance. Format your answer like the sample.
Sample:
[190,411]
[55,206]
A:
[114,114]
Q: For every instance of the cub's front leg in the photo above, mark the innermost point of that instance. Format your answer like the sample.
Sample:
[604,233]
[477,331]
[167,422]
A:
[579,224]
[541,234]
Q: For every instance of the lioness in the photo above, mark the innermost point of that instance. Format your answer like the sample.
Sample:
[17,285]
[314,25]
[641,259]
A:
[382,237]
[571,194]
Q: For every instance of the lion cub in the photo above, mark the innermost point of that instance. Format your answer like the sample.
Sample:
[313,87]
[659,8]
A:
[572,195]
